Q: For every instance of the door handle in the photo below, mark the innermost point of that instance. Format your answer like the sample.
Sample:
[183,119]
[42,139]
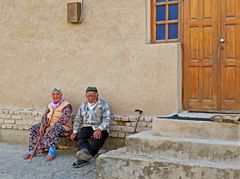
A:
[222,40]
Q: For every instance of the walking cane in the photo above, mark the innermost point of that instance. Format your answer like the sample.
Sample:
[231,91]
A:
[35,147]
[139,111]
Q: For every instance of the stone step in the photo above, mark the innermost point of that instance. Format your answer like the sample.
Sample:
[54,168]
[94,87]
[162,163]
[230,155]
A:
[122,165]
[187,148]
[196,129]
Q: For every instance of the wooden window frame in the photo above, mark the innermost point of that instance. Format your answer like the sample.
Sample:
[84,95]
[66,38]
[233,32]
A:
[153,22]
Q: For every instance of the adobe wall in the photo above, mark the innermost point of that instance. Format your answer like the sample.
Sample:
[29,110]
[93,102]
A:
[39,50]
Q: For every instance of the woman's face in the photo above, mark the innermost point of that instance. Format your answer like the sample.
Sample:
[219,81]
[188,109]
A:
[91,97]
[56,97]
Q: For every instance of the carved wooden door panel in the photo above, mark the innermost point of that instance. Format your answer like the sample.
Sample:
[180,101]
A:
[230,54]
[201,57]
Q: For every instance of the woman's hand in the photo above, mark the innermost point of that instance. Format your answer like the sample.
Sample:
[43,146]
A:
[48,129]
[41,130]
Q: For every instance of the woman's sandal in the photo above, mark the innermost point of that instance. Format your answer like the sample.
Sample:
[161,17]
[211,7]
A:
[51,154]
[50,158]
[28,155]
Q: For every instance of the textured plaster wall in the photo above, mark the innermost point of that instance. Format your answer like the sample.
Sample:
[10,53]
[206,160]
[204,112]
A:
[40,50]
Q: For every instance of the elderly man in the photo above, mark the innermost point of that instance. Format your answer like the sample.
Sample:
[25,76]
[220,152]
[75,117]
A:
[55,121]
[92,121]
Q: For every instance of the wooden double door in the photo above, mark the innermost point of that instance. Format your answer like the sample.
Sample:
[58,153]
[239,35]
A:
[211,53]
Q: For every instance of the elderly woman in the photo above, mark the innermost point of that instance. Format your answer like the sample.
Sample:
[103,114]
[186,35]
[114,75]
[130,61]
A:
[55,121]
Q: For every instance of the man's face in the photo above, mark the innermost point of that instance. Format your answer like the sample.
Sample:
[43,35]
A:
[91,97]
[56,97]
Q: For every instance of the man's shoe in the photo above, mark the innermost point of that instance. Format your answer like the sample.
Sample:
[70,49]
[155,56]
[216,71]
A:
[28,155]
[84,155]
[79,163]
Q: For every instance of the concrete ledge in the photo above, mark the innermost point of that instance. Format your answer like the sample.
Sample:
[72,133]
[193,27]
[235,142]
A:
[186,148]
[120,164]
[0,134]
[21,137]
[14,136]
[111,143]
[196,129]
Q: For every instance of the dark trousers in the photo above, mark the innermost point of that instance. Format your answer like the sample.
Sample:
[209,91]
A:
[94,146]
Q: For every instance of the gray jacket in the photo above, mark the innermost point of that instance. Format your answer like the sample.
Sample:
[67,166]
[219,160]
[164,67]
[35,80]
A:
[98,117]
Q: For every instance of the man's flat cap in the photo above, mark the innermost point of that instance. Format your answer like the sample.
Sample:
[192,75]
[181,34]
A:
[91,89]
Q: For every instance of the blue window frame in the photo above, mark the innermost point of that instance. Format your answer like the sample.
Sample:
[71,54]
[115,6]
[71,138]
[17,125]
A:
[165,20]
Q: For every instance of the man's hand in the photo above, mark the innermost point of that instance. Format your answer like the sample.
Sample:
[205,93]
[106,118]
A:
[97,134]
[72,136]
